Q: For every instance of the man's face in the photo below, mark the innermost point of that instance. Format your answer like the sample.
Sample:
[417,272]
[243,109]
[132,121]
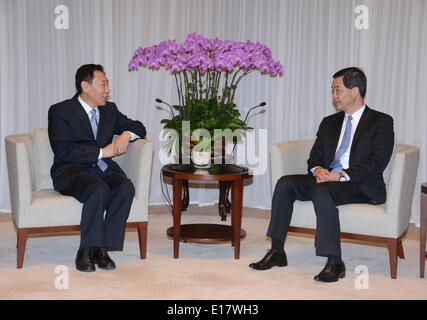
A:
[97,92]
[342,98]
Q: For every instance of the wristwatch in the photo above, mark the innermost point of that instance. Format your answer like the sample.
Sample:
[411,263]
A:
[342,177]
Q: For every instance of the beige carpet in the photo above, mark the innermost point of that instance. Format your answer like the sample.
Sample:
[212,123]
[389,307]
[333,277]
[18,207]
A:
[202,271]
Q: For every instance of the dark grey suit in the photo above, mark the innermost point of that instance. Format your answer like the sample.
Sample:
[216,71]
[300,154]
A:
[75,173]
[370,153]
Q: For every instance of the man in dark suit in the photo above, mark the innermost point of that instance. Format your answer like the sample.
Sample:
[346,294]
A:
[346,164]
[81,132]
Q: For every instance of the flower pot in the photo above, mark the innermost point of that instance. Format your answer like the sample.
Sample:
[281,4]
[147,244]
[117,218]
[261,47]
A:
[201,159]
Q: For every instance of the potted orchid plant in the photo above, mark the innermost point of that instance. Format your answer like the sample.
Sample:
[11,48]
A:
[207,73]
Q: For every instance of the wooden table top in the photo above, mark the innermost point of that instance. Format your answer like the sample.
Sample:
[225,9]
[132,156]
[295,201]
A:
[215,172]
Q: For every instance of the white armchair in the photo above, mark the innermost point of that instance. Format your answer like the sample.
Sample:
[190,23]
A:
[386,223]
[37,208]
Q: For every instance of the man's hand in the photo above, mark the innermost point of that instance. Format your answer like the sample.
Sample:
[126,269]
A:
[334,176]
[121,143]
[323,175]
[108,151]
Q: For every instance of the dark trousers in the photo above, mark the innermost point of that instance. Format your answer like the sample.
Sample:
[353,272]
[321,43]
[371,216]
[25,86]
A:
[325,197]
[100,192]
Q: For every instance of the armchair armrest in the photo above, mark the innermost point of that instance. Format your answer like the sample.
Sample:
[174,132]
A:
[402,183]
[138,167]
[19,171]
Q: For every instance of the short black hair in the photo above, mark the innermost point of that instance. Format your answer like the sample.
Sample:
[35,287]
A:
[85,73]
[353,77]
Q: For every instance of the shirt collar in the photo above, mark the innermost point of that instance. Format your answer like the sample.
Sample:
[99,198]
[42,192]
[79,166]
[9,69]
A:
[85,106]
[358,114]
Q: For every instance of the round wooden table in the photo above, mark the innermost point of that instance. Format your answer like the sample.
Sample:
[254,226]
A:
[423,230]
[207,233]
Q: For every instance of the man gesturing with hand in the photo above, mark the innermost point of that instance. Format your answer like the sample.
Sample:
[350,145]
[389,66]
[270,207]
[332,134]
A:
[81,132]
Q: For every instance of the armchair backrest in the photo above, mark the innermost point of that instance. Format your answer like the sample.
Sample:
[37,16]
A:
[43,159]
[40,159]
[289,157]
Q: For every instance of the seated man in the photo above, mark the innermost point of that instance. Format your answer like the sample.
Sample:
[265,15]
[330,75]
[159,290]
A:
[346,164]
[83,167]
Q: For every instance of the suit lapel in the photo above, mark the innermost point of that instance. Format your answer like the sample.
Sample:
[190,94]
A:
[336,132]
[333,133]
[363,124]
[102,123]
[79,111]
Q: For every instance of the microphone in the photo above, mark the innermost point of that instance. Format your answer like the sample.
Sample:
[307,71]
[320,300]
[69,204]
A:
[262,104]
[170,107]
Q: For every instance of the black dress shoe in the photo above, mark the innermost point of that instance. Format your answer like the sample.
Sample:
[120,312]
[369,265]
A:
[84,261]
[332,271]
[273,258]
[102,259]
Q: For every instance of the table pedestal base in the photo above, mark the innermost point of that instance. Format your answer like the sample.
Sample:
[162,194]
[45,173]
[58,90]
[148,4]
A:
[205,233]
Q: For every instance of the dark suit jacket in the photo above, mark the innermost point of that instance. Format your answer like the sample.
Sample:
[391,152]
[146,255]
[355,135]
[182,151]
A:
[72,141]
[370,151]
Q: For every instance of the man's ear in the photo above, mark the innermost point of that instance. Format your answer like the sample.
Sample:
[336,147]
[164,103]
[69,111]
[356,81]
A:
[355,92]
[85,86]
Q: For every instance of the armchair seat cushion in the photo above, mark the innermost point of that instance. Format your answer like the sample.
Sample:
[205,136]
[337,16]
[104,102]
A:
[49,208]
[52,209]
[357,218]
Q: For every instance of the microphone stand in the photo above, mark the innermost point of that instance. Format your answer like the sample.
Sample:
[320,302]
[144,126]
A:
[173,119]
[262,104]
[185,186]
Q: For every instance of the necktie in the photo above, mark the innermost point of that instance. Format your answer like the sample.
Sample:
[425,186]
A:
[345,143]
[94,124]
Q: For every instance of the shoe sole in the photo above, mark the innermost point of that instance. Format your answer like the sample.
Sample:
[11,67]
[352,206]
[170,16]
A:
[277,265]
[340,276]
[85,270]
[107,268]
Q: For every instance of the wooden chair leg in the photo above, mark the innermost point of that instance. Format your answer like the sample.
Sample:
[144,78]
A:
[400,252]
[392,245]
[142,236]
[423,232]
[22,236]
[423,237]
